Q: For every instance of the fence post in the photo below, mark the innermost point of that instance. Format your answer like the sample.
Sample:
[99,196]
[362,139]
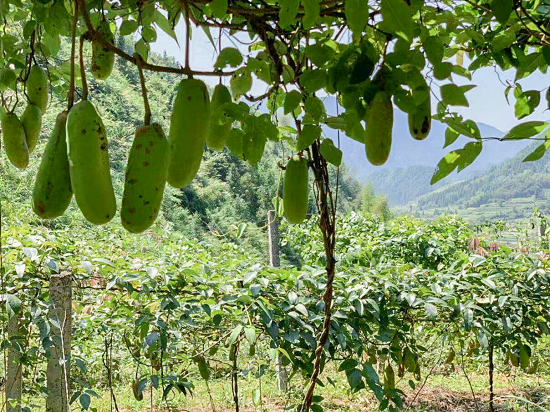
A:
[14,381]
[274,261]
[58,371]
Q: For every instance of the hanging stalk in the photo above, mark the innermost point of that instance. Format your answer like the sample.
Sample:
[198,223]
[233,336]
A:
[83,69]
[139,64]
[327,222]
[70,101]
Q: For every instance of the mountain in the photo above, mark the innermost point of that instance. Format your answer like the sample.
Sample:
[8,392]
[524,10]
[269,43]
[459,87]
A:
[408,171]
[507,191]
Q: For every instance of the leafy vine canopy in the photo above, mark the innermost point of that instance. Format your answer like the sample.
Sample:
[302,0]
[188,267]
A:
[412,54]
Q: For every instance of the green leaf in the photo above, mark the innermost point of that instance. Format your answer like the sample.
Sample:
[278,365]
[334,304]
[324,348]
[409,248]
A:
[219,8]
[149,34]
[398,18]
[234,335]
[526,102]
[312,10]
[165,25]
[348,365]
[538,152]
[315,108]
[526,130]
[85,401]
[256,397]
[502,9]
[503,40]
[434,49]
[357,14]
[331,153]
[319,54]
[468,154]
[309,134]
[446,166]
[241,82]
[128,27]
[288,12]
[313,80]
[443,70]
[453,95]
[431,311]
[467,128]
[250,334]
[450,136]
[292,100]
[229,56]
[13,305]
[204,369]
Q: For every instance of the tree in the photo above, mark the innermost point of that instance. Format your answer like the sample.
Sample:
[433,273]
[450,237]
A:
[367,198]
[298,49]
[381,208]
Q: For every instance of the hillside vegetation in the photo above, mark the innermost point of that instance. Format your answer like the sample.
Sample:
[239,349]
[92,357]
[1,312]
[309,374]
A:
[508,191]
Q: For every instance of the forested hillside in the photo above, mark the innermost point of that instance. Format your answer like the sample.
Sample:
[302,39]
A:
[510,190]
[227,191]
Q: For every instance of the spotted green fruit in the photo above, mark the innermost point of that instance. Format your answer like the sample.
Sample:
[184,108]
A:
[188,127]
[52,191]
[218,130]
[32,124]
[103,60]
[15,142]
[420,121]
[378,135]
[37,87]
[89,164]
[295,190]
[145,179]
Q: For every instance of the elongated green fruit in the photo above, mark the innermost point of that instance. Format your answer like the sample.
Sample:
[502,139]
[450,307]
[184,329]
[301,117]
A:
[420,121]
[218,131]
[37,87]
[15,142]
[89,164]
[32,124]
[52,191]
[295,190]
[103,60]
[378,135]
[188,127]
[145,178]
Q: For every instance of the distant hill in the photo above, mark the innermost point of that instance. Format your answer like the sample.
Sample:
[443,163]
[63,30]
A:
[509,191]
[407,173]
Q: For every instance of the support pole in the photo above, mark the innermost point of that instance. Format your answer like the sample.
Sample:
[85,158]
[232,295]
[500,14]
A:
[58,372]
[274,261]
[14,381]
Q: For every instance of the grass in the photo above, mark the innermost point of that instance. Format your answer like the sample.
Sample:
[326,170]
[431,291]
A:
[445,390]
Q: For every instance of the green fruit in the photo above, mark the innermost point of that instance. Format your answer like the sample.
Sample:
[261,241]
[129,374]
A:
[523,357]
[37,87]
[295,190]
[420,121]
[15,142]
[138,394]
[103,60]
[514,359]
[52,191]
[32,124]
[145,179]
[188,127]
[408,360]
[378,135]
[218,131]
[450,357]
[389,377]
[89,163]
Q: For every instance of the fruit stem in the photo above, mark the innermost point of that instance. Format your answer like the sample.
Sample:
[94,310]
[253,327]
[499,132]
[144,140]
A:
[73,52]
[139,64]
[187,34]
[83,70]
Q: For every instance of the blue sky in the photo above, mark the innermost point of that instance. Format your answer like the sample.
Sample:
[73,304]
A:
[487,101]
